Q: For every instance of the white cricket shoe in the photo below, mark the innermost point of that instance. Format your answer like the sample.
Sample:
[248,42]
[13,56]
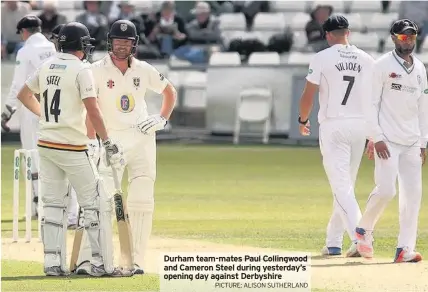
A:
[364,243]
[404,255]
[352,252]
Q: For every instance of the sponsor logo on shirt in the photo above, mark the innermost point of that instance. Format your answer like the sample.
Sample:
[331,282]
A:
[394,75]
[125,103]
[426,91]
[310,71]
[136,81]
[161,77]
[404,88]
[57,66]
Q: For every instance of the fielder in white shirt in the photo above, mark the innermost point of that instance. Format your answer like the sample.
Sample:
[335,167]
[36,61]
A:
[342,74]
[36,50]
[68,96]
[122,82]
[399,131]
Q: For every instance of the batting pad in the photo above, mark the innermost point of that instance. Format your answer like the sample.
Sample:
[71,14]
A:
[140,208]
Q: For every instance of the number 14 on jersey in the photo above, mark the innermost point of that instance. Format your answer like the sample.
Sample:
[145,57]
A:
[54,109]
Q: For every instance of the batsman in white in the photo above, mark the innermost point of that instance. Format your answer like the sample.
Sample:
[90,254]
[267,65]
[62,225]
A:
[342,74]
[93,150]
[36,50]
[68,95]
[122,82]
[399,131]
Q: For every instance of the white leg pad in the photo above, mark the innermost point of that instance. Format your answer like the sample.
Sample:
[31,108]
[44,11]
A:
[140,204]
[97,243]
[54,235]
[73,207]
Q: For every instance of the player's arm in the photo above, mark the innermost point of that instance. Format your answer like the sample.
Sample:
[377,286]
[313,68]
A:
[86,84]
[159,84]
[313,80]
[26,94]
[423,116]
[375,131]
[18,80]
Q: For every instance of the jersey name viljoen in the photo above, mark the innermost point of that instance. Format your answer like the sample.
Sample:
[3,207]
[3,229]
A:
[63,82]
[343,73]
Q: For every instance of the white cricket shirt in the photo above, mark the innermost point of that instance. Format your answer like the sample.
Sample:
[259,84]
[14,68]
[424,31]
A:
[36,50]
[343,73]
[400,101]
[121,97]
[63,82]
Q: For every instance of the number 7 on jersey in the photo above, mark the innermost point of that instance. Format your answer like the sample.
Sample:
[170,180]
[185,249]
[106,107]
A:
[350,80]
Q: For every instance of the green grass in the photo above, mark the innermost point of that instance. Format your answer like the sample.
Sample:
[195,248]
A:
[275,197]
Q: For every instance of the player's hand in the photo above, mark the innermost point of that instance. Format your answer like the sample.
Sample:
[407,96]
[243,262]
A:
[6,115]
[113,154]
[305,129]
[152,124]
[382,150]
[94,150]
[370,150]
[423,155]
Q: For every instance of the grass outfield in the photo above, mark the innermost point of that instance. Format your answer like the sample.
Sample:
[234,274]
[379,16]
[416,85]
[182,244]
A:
[273,197]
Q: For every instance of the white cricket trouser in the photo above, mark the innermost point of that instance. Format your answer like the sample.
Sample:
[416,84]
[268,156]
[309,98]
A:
[29,126]
[140,157]
[342,144]
[57,169]
[405,164]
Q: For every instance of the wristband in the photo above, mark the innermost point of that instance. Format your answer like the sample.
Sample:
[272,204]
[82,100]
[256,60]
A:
[303,122]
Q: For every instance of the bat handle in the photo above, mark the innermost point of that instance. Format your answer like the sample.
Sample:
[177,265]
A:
[117,183]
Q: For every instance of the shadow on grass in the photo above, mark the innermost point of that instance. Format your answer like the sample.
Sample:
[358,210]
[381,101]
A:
[43,277]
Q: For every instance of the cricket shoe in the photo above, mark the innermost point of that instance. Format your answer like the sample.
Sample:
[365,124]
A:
[138,270]
[352,252]
[364,243]
[55,271]
[98,271]
[404,255]
[83,269]
[331,251]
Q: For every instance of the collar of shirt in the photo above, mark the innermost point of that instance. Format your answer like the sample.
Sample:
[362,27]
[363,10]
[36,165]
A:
[35,38]
[403,62]
[65,56]
[109,62]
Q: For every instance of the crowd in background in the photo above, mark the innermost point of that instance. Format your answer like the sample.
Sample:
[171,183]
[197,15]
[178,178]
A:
[186,29]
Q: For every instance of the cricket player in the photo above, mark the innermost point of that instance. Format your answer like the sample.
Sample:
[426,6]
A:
[93,150]
[122,82]
[36,50]
[399,131]
[68,95]
[342,74]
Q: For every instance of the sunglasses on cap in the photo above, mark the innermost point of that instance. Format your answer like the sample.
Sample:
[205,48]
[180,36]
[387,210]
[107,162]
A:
[406,37]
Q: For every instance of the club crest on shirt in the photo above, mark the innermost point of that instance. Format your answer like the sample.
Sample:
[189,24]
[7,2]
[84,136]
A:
[136,81]
[125,103]
[419,79]
[426,91]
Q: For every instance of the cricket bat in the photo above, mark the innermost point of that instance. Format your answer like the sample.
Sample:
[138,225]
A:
[123,225]
[77,243]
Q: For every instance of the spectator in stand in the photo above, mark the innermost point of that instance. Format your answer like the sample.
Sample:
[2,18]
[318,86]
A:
[204,29]
[416,11]
[169,32]
[127,11]
[314,31]
[3,47]
[50,17]
[96,23]
[11,13]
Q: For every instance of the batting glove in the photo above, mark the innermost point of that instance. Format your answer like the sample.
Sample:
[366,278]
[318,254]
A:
[94,150]
[113,154]
[152,124]
[6,115]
